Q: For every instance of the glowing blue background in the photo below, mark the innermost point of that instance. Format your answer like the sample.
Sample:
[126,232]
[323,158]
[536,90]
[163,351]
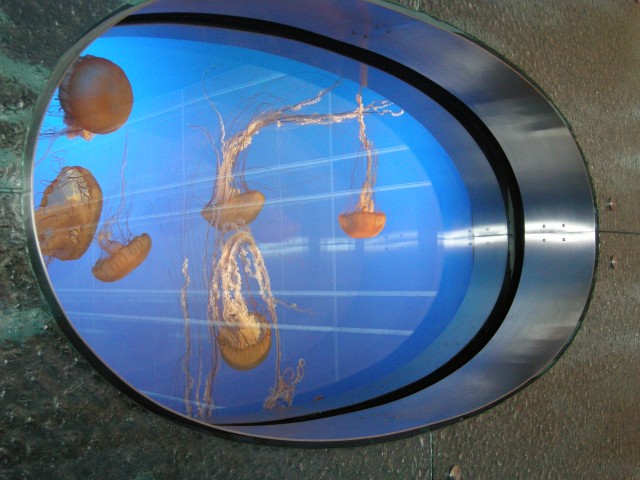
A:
[364,307]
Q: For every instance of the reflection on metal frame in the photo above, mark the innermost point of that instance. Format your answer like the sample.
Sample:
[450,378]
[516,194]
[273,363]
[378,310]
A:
[556,236]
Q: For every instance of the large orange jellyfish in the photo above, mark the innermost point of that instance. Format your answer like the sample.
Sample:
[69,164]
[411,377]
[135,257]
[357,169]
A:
[122,252]
[242,326]
[361,220]
[233,204]
[244,334]
[68,216]
[96,97]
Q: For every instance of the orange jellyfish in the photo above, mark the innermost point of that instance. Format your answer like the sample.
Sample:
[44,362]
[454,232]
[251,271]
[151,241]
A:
[122,252]
[232,204]
[362,221]
[121,258]
[68,216]
[96,97]
[244,336]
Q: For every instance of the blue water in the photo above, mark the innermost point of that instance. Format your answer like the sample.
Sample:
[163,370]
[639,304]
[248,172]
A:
[354,310]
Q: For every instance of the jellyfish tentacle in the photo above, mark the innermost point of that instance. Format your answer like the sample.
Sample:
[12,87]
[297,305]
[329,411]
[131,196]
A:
[107,244]
[365,201]
[188,384]
[283,392]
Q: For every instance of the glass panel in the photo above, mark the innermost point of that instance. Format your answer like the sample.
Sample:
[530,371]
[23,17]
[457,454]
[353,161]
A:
[274,238]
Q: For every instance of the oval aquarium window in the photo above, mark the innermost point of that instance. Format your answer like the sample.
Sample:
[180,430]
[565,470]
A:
[271,225]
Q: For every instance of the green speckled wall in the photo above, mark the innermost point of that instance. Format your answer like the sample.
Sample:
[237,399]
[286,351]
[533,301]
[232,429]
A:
[59,419]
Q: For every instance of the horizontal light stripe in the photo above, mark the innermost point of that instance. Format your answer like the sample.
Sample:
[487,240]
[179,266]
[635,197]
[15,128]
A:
[201,322]
[256,172]
[276,293]
[162,396]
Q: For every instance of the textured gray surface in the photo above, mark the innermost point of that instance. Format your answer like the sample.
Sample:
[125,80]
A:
[580,419]
[58,419]
[585,56]
[61,420]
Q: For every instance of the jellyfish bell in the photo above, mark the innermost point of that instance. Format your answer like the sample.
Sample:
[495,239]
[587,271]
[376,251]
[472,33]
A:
[68,216]
[121,258]
[362,224]
[239,209]
[96,97]
[245,344]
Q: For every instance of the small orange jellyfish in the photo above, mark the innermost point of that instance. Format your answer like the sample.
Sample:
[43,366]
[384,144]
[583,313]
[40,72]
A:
[96,97]
[121,258]
[124,252]
[68,216]
[363,221]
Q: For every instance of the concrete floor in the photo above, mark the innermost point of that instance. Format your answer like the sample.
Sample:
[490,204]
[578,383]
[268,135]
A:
[59,419]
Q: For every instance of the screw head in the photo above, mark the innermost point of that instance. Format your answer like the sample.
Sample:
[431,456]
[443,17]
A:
[612,205]
[614,261]
[455,473]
